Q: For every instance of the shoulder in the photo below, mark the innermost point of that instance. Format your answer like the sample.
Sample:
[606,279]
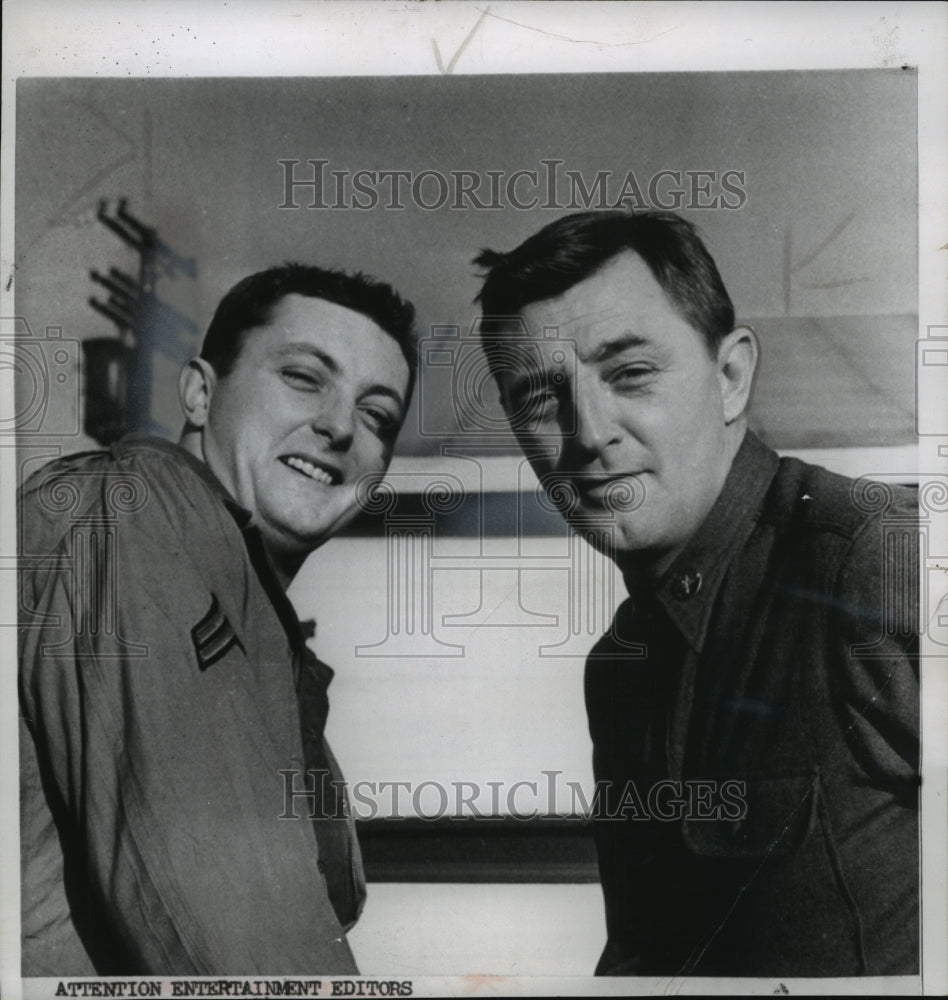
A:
[856,542]
[842,538]
[141,485]
[811,499]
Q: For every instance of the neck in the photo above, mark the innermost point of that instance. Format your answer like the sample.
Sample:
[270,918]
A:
[284,569]
[642,570]
[192,442]
[284,563]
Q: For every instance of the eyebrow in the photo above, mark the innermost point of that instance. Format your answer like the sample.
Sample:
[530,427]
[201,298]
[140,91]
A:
[303,348]
[602,352]
[379,389]
[610,348]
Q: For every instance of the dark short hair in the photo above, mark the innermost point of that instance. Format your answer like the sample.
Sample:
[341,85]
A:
[571,249]
[249,303]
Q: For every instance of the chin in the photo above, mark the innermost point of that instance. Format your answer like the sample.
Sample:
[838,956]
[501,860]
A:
[307,540]
[312,536]
[294,536]
[639,544]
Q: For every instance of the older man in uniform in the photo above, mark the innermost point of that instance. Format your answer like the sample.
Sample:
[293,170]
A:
[768,645]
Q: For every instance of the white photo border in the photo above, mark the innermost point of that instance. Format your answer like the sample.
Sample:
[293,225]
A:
[200,38]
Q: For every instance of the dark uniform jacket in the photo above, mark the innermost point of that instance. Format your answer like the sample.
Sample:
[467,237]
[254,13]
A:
[162,673]
[761,753]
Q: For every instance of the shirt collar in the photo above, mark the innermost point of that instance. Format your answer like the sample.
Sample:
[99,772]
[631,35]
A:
[688,589]
[135,442]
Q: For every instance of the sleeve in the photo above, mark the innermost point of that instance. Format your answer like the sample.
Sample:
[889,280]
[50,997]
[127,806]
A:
[163,769]
[874,628]
[623,850]
[871,808]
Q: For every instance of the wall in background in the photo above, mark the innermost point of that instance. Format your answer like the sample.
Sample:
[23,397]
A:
[820,255]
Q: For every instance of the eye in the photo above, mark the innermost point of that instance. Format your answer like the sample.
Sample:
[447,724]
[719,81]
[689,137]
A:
[382,421]
[631,375]
[540,404]
[304,379]
[541,401]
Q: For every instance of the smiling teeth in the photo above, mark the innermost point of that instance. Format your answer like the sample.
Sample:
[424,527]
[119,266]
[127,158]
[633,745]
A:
[308,469]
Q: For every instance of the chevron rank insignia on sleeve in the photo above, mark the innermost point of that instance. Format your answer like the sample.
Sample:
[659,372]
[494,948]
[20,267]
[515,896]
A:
[213,635]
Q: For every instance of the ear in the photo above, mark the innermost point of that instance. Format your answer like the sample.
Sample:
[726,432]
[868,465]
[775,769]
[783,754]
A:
[738,359]
[195,389]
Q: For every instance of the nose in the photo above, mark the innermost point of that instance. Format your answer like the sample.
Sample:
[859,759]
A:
[335,420]
[594,429]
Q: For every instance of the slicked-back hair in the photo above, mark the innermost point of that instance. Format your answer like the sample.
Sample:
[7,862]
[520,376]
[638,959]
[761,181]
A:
[250,302]
[571,249]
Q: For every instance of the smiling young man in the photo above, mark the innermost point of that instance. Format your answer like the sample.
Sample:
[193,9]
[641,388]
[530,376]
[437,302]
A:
[769,640]
[165,682]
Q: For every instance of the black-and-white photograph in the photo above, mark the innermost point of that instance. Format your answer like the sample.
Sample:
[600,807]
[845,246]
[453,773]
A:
[473,524]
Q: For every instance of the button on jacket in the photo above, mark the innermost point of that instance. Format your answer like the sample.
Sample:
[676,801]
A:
[776,696]
[159,668]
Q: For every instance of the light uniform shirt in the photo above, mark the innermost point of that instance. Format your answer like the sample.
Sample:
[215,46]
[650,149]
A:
[159,667]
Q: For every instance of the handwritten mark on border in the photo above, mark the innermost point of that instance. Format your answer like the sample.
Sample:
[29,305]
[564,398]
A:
[457,55]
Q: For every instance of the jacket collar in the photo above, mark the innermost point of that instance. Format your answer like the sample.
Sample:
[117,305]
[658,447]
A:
[688,589]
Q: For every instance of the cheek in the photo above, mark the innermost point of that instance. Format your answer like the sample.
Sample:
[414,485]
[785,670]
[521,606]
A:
[373,454]
[698,405]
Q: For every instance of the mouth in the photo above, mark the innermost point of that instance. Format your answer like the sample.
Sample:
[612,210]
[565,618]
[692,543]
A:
[595,484]
[319,472]
[616,492]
